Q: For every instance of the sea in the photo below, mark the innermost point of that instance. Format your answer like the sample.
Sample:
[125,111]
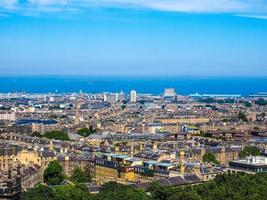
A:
[142,84]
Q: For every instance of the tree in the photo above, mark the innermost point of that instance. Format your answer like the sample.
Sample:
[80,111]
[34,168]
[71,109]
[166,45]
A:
[203,134]
[57,135]
[210,158]
[69,192]
[64,192]
[40,192]
[207,100]
[86,131]
[159,192]
[81,175]
[225,120]
[53,174]
[36,134]
[242,116]
[248,104]
[249,151]
[5,108]
[116,191]
[236,186]
[261,102]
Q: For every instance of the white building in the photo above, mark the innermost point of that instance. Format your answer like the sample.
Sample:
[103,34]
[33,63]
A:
[250,164]
[111,97]
[169,92]
[133,96]
[8,116]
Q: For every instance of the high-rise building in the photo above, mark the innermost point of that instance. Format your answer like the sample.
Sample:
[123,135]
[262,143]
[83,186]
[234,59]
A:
[111,97]
[133,96]
[121,96]
[77,111]
[169,92]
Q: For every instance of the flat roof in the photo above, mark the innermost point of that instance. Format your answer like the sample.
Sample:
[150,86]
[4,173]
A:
[151,162]
[36,121]
[164,164]
[120,156]
[252,161]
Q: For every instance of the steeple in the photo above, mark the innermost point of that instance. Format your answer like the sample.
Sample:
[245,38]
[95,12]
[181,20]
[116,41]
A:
[51,146]
[18,170]
[9,174]
[182,161]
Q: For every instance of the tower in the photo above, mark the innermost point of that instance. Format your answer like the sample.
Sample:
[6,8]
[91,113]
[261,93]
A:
[169,92]
[142,146]
[77,111]
[154,146]
[51,146]
[182,161]
[133,96]
[117,149]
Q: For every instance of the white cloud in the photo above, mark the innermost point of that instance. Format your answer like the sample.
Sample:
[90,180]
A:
[254,16]
[8,4]
[173,5]
[217,6]
[49,2]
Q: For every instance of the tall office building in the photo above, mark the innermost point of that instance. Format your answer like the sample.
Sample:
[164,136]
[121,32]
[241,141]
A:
[169,92]
[133,96]
[121,96]
[111,97]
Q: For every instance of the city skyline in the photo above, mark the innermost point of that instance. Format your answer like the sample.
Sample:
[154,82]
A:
[123,38]
[133,99]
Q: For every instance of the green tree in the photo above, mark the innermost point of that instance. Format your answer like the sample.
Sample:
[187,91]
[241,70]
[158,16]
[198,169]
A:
[249,151]
[5,108]
[123,107]
[210,158]
[57,135]
[203,134]
[207,100]
[64,192]
[81,175]
[237,186]
[159,192]
[40,192]
[261,102]
[53,174]
[242,116]
[116,191]
[248,104]
[225,120]
[36,134]
[86,131]
[69,192]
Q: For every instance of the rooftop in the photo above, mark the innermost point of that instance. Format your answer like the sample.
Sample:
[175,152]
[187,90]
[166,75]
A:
[252,160]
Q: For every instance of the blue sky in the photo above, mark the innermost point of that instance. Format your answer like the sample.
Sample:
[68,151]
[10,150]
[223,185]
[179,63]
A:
[133,37]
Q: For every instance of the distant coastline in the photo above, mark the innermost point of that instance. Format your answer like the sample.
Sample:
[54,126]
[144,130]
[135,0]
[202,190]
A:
[143,84]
